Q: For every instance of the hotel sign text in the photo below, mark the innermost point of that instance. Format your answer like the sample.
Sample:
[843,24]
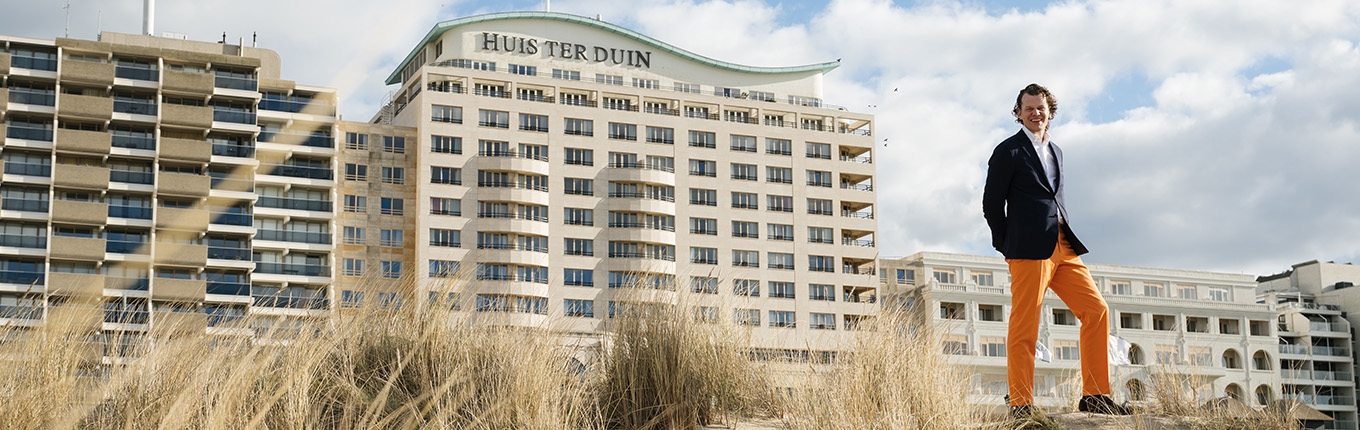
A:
[565,50]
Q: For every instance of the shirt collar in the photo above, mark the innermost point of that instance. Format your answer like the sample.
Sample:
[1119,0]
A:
[1034,139]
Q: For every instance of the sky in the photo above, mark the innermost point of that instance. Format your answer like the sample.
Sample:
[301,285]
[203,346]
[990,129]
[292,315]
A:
[1216,135]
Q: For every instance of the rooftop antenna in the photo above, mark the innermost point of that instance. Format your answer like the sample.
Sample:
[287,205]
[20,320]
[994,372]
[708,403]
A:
[254,39]
[149,17]
[67,8]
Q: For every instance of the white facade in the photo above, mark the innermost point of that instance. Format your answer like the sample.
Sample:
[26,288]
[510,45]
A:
[1200,326]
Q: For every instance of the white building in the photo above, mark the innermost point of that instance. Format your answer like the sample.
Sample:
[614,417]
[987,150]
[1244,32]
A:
[1201,327]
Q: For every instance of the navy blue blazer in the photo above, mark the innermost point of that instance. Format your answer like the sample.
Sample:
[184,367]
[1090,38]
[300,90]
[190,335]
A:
[1020,206]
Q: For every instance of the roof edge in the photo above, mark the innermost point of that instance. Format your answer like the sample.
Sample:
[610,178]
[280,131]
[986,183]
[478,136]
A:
[442,27]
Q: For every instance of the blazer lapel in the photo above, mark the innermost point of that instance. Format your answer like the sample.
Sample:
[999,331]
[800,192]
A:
[1034,164]
[1057,156]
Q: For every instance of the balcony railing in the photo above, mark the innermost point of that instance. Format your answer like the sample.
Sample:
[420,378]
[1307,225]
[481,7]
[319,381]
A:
[240,254]
[290,203]
[125,316]
[304,139]
[857,215]
[235,83]
[30,97]
[22,277]
[233,218]
[134,284]
[134,142]
[315,303]
[132,212]
[513,154]
[305,172]
[135,107]
[857,242]
[233,116]
[136,73]
[292,269]
[21,312]
[131,177]
[28,169]
[228,288]
[29,133]
[230,150]
[32,63]
[25,205]
[294,236]
[22,241]
[853,298]
[292,106]
[127,247]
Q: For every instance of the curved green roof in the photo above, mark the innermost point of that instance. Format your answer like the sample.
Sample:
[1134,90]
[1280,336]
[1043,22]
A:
[442,27]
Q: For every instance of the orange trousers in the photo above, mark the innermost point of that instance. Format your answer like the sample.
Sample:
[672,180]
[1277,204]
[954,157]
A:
[1067,276]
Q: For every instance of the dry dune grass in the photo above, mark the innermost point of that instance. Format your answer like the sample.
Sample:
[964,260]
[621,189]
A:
[432,366]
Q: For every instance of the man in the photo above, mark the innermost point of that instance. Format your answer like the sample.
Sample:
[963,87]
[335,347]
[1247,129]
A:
[1023,204]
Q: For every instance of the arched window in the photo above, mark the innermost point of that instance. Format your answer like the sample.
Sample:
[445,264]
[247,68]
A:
[1135,388]
[1231,359]
[1136,355]
[1263,395]
[1233,391]
[1261,361]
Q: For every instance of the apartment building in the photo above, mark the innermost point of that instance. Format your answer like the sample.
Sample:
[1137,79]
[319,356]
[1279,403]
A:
[1202,329]
[560,160]
[173,183]
[1317,330]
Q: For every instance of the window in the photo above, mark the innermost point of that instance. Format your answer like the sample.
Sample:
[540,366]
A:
[390,238]
[703,285]
[1164,322]
[742,258]
[780,203]
[818,178]
[951,311]
[616,103]
[578,216]
[726,92]
[578,127]
[446,175]
[703,168]
[608,79]
[394,144]
[352,267]
[746,229]
[945,276]
[821,321]
[819,150]
[351,299]
[761,96]
[661,135]
[651,84]
[446,206]
[489,90]
[708,226]
[446,144]
[992,346]
[516,69]
[905,276]
[568,75]
[782,290]
[531,122]
[745,172]
[1153,289]
[1121,288]
[578,308]
[356,172]
[819,207]
[1066,350]
[1064,317]
[749,317]
[681,87]
[743,143]
[356,141]
[701,196]
[622,131]
[393,175]
[779,260]
[1187,292]
[662,108]
[493,118]
[821,263]
[821,292]
[982,278]
[1167,354]
[778,146]
[1130,321]
[820,235]
[392,206]
[578,187]
[391,269]
[780,232]
[699,255]
[1220,294]
[783,319]
[702,139]
[448,114]
[354,236]
[742,200]
[783,175]
[582,247]
[578,277]
[579,157]
[746,287]
[446,238]
[356,204]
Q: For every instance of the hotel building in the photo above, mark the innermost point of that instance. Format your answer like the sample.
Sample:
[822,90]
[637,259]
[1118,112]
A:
[1203,329]
[549,158]
[554,159]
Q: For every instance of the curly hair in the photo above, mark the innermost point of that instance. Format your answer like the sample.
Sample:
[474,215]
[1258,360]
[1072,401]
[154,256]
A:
[1036,90]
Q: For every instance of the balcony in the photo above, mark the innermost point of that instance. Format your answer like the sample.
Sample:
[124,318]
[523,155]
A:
[88,72]
[314,107]
[319,238]
[84,177]
[127,247]
[136,73]
[28,133]
[182,184]
[129,212]
[317,302]
[229,288]
[190,82]
[26,205]
[234,254]
[77,248]
[311,140]
[187,116]
[186,149]
[293,269]
[132,177]
[133,284]
[179,290]
[29,96]
[134,106]
[294,204]
[28,169]
[181,254]
[133,141]
[232,218]
[22,278]
[297,171]
[77,212]
[32,63]
[85,285]
[90,107]
[88,142]
[233,116]
[22,241]
[236,83]
[182,219]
